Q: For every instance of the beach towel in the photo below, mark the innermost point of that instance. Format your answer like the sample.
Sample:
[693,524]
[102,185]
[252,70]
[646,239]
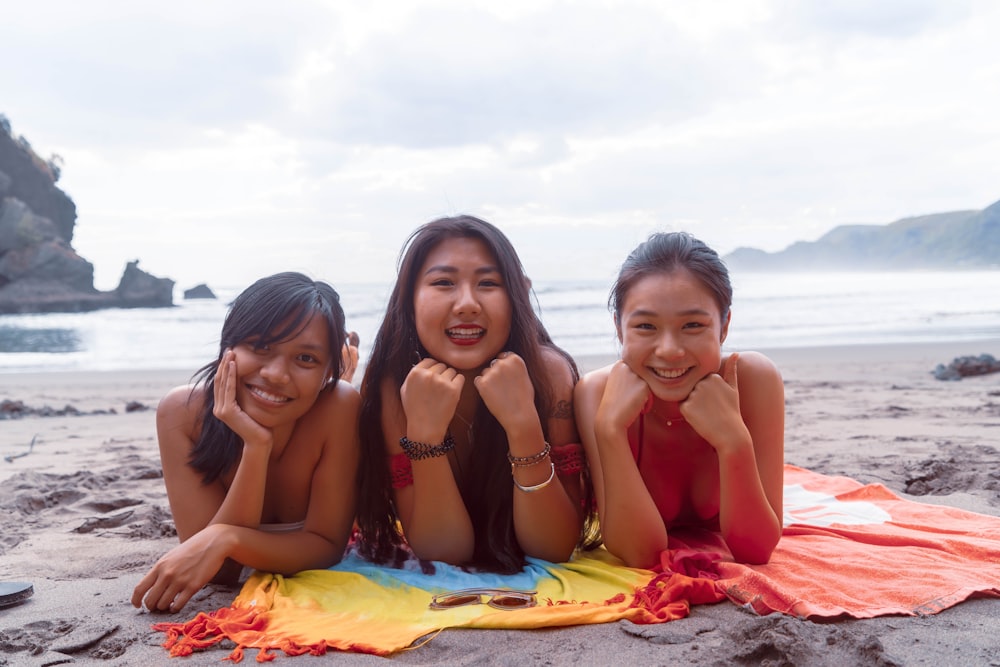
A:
[859,551]
[847,550]
[359,606]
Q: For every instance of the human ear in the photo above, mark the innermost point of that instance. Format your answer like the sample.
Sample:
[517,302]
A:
[725,327]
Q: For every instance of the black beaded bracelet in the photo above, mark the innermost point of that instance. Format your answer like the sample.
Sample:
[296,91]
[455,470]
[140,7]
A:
[417,451]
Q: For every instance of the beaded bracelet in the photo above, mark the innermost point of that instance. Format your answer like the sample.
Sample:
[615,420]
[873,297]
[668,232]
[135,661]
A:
[528,460]
[537,487]
[417,451]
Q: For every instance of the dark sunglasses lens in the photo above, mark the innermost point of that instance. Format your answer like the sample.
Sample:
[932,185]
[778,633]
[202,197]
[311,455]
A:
[456,600]
[512,601]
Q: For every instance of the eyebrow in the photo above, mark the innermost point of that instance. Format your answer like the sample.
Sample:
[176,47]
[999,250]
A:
[445,268]
[642,312]
[306,345]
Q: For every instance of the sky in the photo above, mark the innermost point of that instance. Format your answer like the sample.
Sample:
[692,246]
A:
[218,142]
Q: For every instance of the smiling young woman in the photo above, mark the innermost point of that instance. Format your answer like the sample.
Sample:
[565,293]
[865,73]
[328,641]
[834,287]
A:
[467,430]
[260,454]
[677,433]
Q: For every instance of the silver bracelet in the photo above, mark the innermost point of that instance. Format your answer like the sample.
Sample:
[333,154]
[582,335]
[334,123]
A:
[537,487]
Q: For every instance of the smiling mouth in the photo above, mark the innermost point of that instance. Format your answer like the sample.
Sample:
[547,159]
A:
[267,396]
[465,334]
[669,373]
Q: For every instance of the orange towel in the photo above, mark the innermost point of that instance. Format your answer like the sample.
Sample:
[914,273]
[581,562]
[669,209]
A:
[862,551]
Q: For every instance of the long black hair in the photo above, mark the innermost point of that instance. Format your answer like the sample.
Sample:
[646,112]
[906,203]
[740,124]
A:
[486,489]
[273,309]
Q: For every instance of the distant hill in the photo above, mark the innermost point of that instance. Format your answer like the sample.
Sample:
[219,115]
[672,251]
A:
[943,241]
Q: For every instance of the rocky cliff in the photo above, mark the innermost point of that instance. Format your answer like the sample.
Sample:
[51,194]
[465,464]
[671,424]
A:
[39,270]
[941,241]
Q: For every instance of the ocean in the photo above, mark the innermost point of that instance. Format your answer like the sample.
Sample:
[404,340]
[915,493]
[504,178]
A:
[770,310]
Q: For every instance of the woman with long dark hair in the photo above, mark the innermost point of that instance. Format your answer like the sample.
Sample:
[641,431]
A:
[468,439]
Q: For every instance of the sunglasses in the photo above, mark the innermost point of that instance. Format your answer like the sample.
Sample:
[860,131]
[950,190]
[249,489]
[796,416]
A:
[498,598]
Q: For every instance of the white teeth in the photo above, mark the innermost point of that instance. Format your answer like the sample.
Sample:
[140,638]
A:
[668,373]
[274,398]
[465,332]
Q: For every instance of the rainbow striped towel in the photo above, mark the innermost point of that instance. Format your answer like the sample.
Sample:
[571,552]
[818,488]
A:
[846,550]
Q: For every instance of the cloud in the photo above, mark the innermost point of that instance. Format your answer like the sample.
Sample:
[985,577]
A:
[218,141]
[458,76]
[889,19]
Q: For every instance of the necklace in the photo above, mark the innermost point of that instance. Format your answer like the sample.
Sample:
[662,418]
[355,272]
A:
[455,453]
[669,421]
[467,423]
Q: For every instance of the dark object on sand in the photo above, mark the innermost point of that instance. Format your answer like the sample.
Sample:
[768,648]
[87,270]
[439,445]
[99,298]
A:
[963,366]
[14,592]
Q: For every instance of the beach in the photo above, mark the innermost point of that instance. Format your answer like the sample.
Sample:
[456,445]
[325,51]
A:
[83,515]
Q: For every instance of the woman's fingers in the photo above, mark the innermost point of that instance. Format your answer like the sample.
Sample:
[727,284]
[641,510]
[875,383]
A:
[143,587]
[225,385]
[154,591]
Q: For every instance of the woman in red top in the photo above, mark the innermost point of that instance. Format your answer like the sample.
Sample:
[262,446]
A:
[676,433]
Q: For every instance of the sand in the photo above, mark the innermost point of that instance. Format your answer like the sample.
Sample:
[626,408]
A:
[83,514]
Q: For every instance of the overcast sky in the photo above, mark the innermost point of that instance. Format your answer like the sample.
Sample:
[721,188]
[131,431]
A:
[219,141]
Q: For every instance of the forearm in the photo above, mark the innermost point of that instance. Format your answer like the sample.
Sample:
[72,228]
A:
[631,524]
[749,525]
[244,500]
[546,522]
[283,553]
[437,525]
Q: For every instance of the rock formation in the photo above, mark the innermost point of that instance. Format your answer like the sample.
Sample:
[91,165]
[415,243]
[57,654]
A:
[201,291]
[39,270]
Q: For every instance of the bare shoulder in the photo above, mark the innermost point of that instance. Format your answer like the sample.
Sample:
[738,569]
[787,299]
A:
[180,397]
[557,366]
[181,404]
[178,421]
[332,422]
[756,367]
[592,384]
[339,404]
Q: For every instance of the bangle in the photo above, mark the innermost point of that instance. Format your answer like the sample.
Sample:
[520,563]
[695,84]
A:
[528,460]
[417,451]
[537,487]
